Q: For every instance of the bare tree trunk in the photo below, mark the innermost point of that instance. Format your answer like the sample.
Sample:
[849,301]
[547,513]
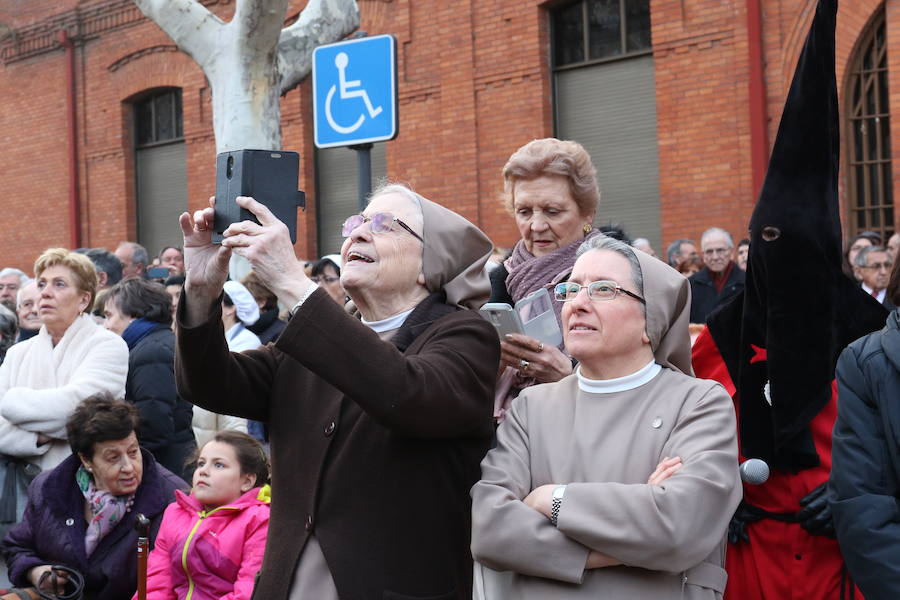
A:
[250,62]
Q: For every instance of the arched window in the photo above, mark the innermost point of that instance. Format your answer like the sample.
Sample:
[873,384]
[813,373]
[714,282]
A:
[869,178]
[160,170]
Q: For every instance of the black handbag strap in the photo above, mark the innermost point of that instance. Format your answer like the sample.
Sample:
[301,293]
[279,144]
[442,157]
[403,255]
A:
[74,581]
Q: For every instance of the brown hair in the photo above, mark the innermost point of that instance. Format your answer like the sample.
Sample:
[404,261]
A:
[249,452]
[550,156]
[82,268]
[100,418]
[259,291]
[141,299]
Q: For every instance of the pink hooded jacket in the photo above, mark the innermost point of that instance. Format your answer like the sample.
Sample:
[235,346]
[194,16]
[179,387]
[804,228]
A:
[209,555]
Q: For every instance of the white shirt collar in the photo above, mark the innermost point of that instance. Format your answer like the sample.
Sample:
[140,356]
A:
[619,384]
[880,296]
[389,324]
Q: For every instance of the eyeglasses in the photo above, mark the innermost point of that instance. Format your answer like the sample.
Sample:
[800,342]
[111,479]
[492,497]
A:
[887,266]
[716,251]
[597,290]
[324,279]
[378,223]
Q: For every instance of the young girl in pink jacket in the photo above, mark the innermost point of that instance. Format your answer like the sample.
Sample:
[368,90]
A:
[210,544]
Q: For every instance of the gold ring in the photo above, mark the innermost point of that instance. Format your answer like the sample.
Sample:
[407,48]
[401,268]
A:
[540,347]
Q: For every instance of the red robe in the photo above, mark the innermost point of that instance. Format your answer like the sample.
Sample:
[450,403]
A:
[782,561]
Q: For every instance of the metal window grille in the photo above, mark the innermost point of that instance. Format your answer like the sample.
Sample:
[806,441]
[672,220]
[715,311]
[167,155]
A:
[869,176]
[591,31]
[158,118]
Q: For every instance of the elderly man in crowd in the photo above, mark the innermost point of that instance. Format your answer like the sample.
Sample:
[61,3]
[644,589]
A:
[720,279]
[27,303]
[11,280]
[679,251]
[108,266]
[134,259]
[872,267]
[893,245]
[9,329]
[172,258]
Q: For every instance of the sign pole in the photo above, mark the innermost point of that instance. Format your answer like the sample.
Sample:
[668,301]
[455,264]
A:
[364,172]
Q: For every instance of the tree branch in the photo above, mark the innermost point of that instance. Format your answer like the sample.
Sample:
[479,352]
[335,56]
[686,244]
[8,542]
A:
[258,25]
[321,22]
[190,25]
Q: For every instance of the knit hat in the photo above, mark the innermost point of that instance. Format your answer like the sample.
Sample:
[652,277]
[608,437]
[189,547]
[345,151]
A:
[247,309]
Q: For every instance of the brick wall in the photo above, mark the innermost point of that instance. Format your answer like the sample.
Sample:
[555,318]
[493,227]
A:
[474,84]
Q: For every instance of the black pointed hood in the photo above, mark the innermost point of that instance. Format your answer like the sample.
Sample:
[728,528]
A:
[782,336]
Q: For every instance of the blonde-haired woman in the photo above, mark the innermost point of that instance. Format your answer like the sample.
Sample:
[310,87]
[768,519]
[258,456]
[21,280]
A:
[550,188]
[44,378]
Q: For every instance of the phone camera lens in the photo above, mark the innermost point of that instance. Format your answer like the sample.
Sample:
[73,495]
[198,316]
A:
[229,169]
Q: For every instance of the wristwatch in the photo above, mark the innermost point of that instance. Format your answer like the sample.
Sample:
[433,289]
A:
[309,290]
[556,502]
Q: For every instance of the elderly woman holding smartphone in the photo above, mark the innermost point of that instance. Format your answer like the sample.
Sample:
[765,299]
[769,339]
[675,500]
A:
[376,425]
[550,187]
[618,481]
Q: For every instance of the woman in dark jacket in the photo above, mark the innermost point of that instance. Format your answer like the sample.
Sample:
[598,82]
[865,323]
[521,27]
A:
[141,312]
[107,477]
[864,489]
[377,425]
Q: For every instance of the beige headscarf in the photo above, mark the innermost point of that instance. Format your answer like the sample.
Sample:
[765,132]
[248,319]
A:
[668,296]
[454,254]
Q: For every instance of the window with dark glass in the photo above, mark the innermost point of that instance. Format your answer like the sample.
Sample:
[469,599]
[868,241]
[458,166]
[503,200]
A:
[158,118]
[592,30]
[870,181]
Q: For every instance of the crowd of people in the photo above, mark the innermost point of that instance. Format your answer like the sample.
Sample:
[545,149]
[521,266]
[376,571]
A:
[401,449]
[597,466]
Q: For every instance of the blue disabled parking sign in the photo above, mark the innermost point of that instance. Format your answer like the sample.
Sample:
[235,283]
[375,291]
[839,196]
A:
[355,92]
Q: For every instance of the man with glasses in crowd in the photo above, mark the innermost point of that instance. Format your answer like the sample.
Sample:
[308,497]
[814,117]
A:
[720,279]
[873,269]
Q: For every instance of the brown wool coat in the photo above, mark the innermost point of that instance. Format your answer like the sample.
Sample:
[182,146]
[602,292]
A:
[374,444]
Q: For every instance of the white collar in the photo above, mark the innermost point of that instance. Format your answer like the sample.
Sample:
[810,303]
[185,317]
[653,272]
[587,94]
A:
[234,331]
[619,384]
[389,324]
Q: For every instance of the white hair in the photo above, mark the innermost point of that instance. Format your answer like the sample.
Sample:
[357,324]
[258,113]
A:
[6,272]
[717,231]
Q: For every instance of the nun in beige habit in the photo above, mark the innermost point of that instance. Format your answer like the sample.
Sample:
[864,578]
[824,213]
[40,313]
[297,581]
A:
[618,481]
[377,425]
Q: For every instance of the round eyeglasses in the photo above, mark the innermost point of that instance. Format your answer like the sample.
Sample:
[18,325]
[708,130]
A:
[597,291]
[378,223]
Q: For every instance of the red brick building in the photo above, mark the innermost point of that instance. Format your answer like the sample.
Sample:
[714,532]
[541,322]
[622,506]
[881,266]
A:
[677,100]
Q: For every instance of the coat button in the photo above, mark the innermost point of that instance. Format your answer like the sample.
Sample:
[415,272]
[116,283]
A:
[309,522]
[329,429]
[70,521]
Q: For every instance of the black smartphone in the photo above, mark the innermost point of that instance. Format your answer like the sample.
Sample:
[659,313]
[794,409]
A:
[158,273]
[268,176]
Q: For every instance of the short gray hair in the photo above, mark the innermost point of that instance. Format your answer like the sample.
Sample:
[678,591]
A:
[139,254]
[602,242]
[23,278]
[21,288]
[862,258]
[717,231]
[388,187]
[675,248]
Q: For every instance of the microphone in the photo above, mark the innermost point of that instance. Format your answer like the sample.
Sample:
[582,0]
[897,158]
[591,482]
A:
[754,471]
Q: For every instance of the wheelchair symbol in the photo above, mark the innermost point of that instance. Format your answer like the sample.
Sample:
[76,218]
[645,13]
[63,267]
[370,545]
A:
[341,61]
